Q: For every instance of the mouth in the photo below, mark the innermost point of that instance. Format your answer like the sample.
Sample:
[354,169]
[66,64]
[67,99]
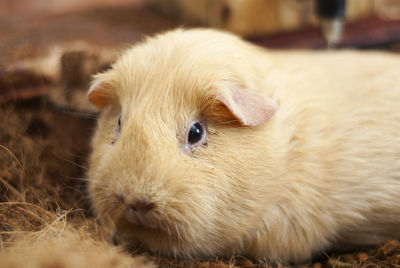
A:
[145,240]
[159,239]
[141,234]
[139,220]
[132,224]
[147,232]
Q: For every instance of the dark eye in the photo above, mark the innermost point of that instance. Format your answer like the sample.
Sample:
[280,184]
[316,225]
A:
[196,133]
[117,129]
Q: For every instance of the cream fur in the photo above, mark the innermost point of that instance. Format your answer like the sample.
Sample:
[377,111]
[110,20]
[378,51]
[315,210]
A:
[60,245]
[323,171]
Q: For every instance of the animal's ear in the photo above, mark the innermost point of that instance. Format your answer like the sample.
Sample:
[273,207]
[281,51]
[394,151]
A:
[101,91]
[249,108]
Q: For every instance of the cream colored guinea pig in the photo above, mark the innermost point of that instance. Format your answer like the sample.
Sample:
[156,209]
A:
[210,146]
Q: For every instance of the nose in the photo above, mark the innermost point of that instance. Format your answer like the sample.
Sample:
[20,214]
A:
[141,206]
[138,213]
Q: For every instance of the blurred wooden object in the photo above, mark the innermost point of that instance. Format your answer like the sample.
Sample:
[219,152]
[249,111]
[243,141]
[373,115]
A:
[55,55]
[29,7]
[261,17]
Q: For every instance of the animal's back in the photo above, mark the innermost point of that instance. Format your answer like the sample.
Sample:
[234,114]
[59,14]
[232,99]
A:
[341,114]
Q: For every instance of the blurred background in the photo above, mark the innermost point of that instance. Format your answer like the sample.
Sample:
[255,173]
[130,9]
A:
[52,47]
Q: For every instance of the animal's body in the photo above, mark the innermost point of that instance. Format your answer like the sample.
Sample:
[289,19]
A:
[298,152]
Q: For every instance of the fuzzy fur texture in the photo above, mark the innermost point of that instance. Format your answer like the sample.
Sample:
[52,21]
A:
[59,245]
[323,171]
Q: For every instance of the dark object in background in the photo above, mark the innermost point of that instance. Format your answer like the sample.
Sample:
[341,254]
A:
[331,8]
[331,14]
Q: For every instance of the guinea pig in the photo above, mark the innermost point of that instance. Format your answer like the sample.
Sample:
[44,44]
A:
[207,146]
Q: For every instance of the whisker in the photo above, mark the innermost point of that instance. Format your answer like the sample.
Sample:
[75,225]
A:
[70,161]
[13,156]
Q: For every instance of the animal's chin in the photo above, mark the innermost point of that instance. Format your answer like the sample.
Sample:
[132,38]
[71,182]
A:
[137,229]
[157,241]
[159,238]
[144,237]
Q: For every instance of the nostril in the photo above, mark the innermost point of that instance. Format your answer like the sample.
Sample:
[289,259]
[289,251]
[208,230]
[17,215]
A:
[138,212]
[142,206]
[120,198]
[115,240]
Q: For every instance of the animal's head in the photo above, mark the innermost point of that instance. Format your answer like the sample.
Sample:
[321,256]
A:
[175,154]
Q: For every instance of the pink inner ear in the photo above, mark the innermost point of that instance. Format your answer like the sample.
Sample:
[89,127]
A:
[100,94]
[251,109]
[98,98]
